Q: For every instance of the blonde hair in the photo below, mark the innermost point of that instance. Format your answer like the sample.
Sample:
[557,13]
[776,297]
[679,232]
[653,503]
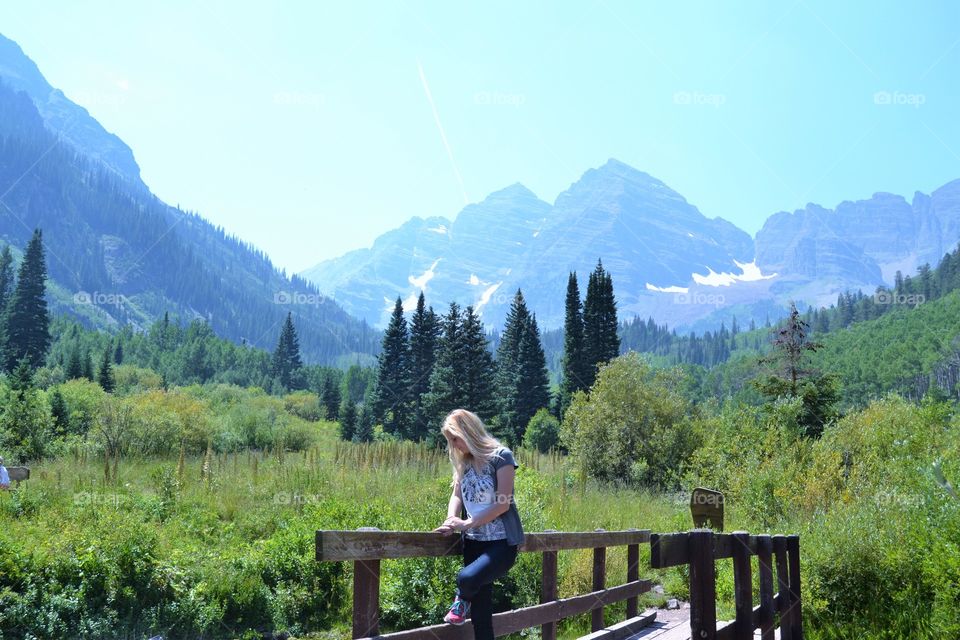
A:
[467,426]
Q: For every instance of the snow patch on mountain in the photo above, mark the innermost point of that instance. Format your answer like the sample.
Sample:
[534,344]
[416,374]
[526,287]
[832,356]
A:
[420,282]
[671,289]
[749,272]
[487,294]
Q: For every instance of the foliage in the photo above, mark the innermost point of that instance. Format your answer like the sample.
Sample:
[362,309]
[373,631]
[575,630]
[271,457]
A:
[522,384]
[634,426]
[26,318]
[543,432]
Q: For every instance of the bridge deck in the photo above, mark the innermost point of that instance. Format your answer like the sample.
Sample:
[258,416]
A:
[675,630]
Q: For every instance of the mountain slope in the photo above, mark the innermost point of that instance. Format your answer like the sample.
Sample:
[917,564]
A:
[68,120]
[117,254]
[667,259]
[645,232]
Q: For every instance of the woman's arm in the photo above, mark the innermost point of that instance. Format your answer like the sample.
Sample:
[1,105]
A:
[456,502]
[502,499]
[454,506]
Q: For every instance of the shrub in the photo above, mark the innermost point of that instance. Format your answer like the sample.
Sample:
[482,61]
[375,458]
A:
[634,426]
[543,432]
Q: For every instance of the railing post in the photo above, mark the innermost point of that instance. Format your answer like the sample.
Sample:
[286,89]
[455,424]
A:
[548,590]
[765,563]
[742,586]
[783,584]
[599,583]
[793,559]
[703,586]
[366,595]
[633,574]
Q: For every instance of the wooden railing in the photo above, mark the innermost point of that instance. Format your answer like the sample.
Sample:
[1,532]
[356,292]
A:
[366,547]
[701,548]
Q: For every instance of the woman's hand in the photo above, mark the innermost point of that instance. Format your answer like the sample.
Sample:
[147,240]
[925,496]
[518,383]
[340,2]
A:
[453,524]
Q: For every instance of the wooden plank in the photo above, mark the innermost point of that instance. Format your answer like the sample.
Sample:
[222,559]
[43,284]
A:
[784,602]
[669,549]
[366,598]
[742,586]
[756,613]
[374,545]
[548,592]
[633,573]
[520,619]
[333,545]
[599,582]
[621,630]
[764,618]
[560,541]
[703,587]
[793,561]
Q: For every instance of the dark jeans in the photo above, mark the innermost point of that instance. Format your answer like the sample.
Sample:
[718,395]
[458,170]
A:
[483,562]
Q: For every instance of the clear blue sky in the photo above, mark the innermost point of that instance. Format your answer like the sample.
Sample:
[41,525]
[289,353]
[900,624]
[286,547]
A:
[306,128]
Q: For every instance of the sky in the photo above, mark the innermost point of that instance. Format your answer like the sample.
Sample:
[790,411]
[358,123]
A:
[310,128]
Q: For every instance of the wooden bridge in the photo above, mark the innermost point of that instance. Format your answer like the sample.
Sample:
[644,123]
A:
[777,616]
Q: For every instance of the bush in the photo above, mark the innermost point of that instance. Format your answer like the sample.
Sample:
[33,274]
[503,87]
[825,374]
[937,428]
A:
[633,427]
[543,432]
[304,404]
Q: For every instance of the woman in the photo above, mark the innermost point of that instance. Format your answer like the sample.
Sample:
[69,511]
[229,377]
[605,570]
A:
[483,474]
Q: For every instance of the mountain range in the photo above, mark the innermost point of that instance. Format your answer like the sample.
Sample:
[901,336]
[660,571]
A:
[116,254]
[668,260]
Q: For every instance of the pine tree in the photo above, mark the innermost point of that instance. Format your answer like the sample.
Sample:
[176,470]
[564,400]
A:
[507,383]
[424,335]
[330,395]
[59,413]
[601,342]
[118,353]
[287,365]
[392,398]
[28,321]
[819,393]
[448,378]
[88,366]
[105,375]
[576,370]
[75,368]
[533,376]
[365,422]
[348,419]
[6,276]
[522,384]
[6,291]
[477,367]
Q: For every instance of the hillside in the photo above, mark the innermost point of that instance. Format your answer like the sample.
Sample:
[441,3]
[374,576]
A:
[118,255]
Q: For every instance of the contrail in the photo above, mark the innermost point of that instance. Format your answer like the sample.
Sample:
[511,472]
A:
[443,135]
